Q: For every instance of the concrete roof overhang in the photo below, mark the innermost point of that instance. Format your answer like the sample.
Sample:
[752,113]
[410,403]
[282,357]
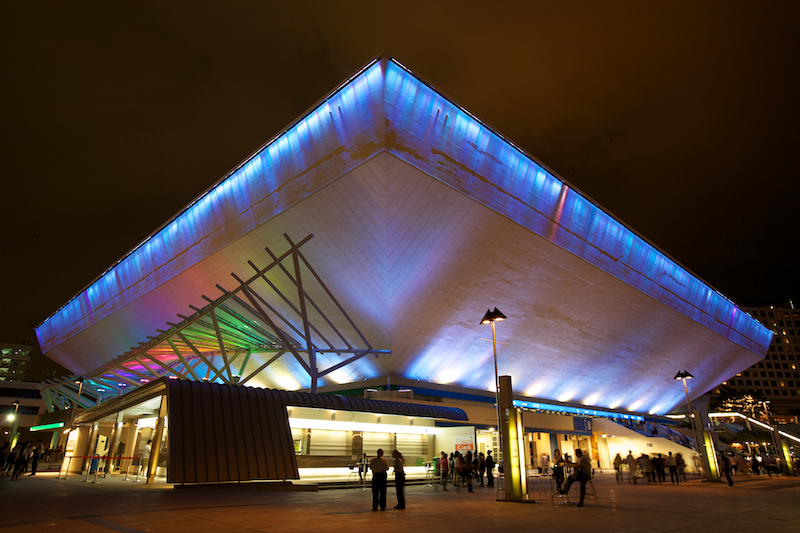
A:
[423,217]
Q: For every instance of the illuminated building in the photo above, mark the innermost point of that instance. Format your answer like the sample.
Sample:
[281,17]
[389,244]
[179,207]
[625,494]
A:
[13,361]
[422,217]
[777,377]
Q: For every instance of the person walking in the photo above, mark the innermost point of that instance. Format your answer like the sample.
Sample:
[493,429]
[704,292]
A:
[379,468]
[582,472]
[399,480]
[11,460]
[489,469]
[23,456]
[444,466]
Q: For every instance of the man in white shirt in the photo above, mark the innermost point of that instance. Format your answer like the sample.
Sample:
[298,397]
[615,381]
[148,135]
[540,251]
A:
[146,458]
[379,467]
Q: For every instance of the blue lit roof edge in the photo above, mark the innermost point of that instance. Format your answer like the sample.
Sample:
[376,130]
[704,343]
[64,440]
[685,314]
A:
[608,213]
[458,106]
[219,182]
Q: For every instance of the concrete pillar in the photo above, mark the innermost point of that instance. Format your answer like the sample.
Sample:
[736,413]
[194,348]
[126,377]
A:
[152,466]
[112,445]
[511,431]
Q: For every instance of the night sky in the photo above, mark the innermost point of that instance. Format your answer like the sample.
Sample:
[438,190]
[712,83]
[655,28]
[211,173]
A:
[680,119]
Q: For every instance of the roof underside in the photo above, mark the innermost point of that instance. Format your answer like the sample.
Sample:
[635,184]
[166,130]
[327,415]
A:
[422,218]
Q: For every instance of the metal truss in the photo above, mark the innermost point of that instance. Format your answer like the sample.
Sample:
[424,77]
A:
[266,313]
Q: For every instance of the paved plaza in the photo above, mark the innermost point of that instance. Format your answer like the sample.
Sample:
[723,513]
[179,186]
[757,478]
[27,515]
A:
[44,503]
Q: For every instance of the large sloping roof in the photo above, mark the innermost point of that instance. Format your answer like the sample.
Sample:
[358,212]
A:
[423,216]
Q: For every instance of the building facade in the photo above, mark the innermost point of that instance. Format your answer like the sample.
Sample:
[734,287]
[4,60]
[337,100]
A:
[776,379]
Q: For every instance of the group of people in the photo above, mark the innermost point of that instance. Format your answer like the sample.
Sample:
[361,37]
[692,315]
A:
[380,472]
[461,470]
[652,469]
[14,462]
[458,469]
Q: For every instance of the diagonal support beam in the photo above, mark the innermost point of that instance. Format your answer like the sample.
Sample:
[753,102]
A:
[248,293]
[217,373]
[312,357]
[183,360]
[221,345]
[262,367]
[346,362]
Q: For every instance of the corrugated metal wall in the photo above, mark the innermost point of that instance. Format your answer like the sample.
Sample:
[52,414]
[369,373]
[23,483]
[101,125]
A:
[221,433]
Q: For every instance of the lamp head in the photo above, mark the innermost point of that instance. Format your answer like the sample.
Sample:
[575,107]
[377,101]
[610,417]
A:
[498,316]
[493,316]
[683,375]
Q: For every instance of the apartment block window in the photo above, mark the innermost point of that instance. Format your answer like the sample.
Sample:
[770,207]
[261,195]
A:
[748,383]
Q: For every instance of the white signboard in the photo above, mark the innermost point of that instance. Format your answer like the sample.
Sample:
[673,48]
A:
[464,443]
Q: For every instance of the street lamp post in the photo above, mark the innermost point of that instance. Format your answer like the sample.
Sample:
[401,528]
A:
[683,376]
[490,318]
[79,382]
[13,418]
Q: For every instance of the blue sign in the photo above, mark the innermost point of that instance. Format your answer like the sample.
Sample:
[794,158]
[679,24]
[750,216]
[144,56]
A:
[539,406]
[582,424]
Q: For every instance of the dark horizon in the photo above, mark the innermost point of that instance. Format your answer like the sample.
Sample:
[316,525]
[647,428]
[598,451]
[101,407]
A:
[679,120]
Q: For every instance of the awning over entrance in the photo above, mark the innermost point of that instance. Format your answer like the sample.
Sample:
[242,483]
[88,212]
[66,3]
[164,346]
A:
[221,433]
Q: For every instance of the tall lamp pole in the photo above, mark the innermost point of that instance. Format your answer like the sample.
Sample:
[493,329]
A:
[683,376]
[490,318]
[15,422]
[79,381]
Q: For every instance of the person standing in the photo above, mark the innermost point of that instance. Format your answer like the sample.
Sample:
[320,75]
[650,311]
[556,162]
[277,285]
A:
[362,467]
[399,480]
[379,468]
[467,467]
[481,466]
[618,467]
[444,465]
[489,469]
[558,468]
[725,464]
[673,469]
[38,453]
[146,458]
[631,462]
[582,473]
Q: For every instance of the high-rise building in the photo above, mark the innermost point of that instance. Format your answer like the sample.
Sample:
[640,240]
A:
[776,379]
[13,361]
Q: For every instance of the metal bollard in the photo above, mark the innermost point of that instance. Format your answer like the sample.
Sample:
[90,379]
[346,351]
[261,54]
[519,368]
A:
[128,471]
[69,463]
